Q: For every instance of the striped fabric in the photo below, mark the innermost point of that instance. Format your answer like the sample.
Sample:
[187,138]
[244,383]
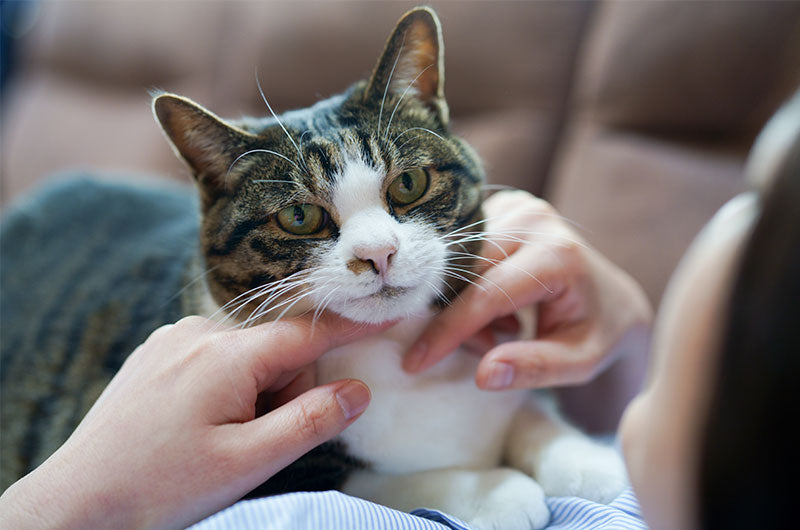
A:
[332,510]
[572,513]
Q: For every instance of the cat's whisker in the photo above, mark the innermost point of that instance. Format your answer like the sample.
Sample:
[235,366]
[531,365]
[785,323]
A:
[411,139]
[265,308]
[509,235]
[301,138]
[494,241]
[419,129]
[245,298]
[498,187]
[455,257]
[324,303]
[489,219]
[274,296]
[516,213]
[268,151]
[255,316]
[462,228]
[291,305]
[290,301]
[485,279]
[467,281]
[508,264]
[237,304]
[389,82]
[439,293]
[198,278]
[461,242]
[512,233]
[545,242]
[410,85]
[297,276]
[263,97]
[272,181]
[451,274]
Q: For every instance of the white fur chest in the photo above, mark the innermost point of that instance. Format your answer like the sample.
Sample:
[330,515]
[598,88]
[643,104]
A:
[432,420]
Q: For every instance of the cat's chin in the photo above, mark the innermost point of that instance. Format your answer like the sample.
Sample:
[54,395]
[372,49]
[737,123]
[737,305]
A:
[383,307]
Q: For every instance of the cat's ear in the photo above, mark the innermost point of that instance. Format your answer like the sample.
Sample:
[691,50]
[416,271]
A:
[413,60]
[204,141]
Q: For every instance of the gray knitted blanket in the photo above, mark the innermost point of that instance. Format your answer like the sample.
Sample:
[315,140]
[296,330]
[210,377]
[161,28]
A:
[88,269]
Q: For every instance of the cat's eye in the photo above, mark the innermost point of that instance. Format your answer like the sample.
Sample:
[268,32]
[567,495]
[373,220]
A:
[408,187]
[302,219]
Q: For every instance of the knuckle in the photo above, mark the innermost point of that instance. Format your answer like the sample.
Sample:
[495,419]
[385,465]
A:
[504,200]
[215,342]
[295,330]
[583,370]
[571,253]
[161,331]
[536,368]
[540,205]
[519,196]
[310,422]
[191,322]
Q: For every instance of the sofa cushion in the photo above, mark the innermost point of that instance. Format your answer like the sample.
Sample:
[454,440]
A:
[711,70]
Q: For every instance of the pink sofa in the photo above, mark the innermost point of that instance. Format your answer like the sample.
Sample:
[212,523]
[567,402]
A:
[634,118]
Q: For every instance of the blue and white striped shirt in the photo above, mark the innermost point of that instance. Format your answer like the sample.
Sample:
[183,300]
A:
[332,510]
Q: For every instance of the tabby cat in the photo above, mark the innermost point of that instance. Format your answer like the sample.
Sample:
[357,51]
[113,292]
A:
[366,205]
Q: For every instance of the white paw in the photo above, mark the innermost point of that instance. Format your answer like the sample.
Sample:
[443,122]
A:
[511,500]
[579,467]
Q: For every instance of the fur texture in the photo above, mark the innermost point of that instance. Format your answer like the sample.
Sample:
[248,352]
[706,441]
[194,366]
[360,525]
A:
[426,440]
[364,204]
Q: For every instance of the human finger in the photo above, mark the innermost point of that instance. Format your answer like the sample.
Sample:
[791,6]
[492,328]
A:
[302,381]
[275,348]
[287,432]
[566,357]
[517,282]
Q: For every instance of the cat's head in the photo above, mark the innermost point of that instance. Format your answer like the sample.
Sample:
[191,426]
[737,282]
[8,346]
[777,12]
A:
[348,205]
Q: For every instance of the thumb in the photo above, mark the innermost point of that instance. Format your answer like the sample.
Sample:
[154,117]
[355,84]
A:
[286,433]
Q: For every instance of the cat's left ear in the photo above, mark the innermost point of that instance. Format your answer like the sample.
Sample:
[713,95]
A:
[413,60]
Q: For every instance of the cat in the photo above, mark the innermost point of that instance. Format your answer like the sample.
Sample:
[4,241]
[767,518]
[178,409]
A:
[366,205]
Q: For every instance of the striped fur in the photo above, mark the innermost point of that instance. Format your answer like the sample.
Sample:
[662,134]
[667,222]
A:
[109,275]
[241,241]
[89,270]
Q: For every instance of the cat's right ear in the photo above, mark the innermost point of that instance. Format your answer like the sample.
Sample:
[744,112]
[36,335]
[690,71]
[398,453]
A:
[207,144]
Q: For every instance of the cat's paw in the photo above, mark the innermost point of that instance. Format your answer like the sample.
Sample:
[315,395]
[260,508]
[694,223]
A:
[579,467]
[510,501]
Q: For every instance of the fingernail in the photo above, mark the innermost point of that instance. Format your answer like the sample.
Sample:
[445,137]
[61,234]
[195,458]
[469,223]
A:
[501,375]
[414,357]
[353,397]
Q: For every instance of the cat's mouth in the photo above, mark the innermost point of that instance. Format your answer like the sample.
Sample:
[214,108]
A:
[386,292]
[389,302]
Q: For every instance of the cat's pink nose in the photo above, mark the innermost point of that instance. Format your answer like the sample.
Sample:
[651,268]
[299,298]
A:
[378,258]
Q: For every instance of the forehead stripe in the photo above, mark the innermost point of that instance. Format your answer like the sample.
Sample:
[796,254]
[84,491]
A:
[324,160]
[366,146]
[236,236]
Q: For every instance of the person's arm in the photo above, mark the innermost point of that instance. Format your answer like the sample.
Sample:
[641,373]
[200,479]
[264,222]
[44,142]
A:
[174,437]
[591,314]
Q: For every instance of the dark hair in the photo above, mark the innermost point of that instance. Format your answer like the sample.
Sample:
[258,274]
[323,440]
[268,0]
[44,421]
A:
[749,467]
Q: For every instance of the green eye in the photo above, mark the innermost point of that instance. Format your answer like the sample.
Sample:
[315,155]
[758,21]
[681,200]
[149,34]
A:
[302,219]
[408,187]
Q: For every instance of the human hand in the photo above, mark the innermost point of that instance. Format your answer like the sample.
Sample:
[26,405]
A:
[585,303]
[174,437]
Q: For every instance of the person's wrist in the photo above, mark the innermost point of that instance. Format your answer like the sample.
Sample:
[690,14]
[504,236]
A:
[54,496]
